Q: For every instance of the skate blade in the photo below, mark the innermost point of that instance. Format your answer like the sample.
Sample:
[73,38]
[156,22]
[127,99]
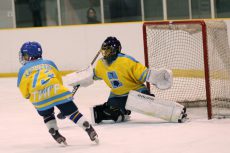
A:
[96,140]
[185,119]
[64,143]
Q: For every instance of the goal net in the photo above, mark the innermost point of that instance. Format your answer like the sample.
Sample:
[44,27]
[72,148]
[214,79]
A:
[198,53]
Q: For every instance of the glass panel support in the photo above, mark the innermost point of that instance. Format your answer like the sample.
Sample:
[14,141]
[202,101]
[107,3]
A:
[212,9]
[165,16]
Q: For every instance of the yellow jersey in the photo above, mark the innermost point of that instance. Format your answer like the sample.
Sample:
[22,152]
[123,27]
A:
[123,75]
[41,82]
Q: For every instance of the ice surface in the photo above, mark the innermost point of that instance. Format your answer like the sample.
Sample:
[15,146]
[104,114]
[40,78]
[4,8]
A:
[23,131]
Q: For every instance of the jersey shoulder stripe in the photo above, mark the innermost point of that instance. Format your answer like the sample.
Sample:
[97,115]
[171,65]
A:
[127,56]
[143,76]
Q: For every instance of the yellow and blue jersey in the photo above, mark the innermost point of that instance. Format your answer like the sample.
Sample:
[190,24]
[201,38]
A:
[41,82]
[123,75]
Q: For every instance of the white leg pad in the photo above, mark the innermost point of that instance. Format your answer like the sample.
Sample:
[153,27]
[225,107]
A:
[153,106]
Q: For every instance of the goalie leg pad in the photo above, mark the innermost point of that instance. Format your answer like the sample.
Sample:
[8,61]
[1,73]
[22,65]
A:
[160,108]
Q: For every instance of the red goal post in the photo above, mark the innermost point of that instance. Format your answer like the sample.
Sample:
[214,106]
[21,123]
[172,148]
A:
[198,53]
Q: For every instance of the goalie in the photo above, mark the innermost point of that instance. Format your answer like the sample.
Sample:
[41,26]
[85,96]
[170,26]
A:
[126,77]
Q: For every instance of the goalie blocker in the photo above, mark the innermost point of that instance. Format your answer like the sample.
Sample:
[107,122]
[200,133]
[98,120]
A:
[81,78]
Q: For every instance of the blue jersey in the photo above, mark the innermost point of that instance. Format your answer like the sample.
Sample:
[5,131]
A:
[41,82]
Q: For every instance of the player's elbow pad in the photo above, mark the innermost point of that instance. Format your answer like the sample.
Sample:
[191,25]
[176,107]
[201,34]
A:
[161,78]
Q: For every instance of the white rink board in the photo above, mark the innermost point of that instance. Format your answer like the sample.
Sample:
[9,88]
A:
[71,47]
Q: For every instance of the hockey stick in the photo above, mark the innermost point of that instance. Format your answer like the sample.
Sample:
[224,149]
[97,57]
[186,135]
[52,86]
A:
[75,88]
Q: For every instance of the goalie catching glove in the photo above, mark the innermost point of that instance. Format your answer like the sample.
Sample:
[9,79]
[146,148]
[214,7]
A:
[81,78]
[162,78]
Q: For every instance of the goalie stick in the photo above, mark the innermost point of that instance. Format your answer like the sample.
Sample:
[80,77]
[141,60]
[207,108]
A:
[93,61]
[75,88]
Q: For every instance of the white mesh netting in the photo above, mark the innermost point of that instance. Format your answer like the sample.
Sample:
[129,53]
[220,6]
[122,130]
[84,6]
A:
[179,47]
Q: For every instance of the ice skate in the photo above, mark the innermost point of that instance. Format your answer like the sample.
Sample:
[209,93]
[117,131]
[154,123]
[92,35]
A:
[183,116]
[123,118]
[127,112]
[57,136]
[91,132]
[127,115]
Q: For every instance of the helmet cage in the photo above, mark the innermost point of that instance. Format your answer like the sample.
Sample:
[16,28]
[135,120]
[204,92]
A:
[107,52]
[22,58]
[30,51]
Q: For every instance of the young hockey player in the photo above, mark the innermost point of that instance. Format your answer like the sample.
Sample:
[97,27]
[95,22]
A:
[121,73]
[40,81]
[126,77]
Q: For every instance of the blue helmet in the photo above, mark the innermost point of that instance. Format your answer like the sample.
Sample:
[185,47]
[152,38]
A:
[110,48]
[30,51]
